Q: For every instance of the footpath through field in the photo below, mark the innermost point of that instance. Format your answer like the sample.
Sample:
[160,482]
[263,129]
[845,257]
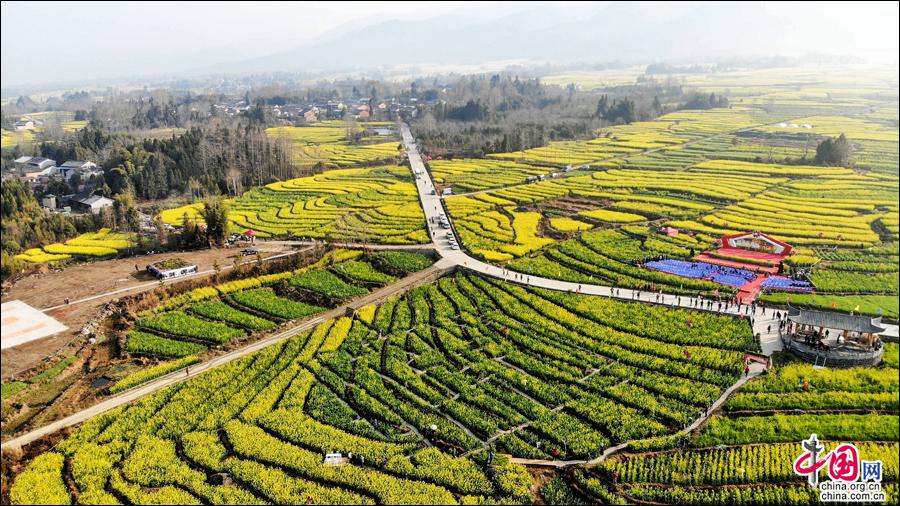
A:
[755,370]
[433,207]
[763,319]
[180,375]
[358,245]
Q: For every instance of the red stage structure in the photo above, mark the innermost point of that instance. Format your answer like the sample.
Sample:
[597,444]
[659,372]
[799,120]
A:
[754,251]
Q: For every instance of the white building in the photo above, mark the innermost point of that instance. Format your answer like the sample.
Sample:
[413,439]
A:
[93,204]
[23,125]
[48,201]
[26,164]
[84,169]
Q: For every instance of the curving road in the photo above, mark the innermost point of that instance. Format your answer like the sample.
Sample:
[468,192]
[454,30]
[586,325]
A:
[292,329]
[763,319]
[433,206]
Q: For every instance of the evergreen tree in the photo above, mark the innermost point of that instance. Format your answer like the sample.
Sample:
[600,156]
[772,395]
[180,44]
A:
[835,152]
[215,214]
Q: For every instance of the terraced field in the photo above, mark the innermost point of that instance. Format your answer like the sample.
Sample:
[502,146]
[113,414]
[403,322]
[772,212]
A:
[100,244]
[706,173]
[430,391]
[328,142]
[12,138]
[607,257]
[667,132]
[745,456]
[377,205]
[57,119]
[208,316]
[863,281]
[418,387]
[465,175]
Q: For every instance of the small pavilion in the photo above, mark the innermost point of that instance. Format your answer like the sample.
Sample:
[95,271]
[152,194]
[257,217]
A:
[834,339]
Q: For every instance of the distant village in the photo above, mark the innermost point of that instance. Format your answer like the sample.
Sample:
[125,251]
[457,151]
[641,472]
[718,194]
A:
[361,109]
[82,177]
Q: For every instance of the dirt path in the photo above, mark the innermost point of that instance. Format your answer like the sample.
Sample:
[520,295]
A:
[755,370]
[49,290]
[424,276]
[91,285]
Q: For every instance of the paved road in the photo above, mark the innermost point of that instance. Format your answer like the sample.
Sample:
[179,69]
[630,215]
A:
[152,284]
[148,388]
[433,206]
[182,374]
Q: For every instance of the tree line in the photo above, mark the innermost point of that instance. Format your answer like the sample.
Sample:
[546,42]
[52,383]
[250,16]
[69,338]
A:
[476,115]
[215,159]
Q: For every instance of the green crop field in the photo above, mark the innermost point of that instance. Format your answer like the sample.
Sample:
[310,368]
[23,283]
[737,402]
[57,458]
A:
[461,388]
[418,388]
[745,455]
[189,323]
[707,173]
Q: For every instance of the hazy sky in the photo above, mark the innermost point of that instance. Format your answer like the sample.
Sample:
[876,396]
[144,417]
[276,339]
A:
[56,41]
[70,41]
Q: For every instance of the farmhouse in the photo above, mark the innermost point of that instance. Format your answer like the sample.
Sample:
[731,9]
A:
[93,204]
[48,201]
[23,125]
[31,164]
[72,167]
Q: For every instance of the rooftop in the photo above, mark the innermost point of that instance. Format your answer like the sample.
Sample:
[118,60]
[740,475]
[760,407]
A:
[93,199]
[831,320]
[74,163]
